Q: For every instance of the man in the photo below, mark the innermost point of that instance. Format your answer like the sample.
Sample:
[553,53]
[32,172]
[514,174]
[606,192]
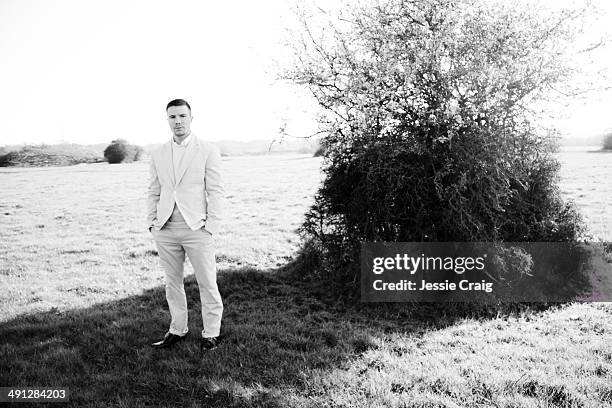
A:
[184,203]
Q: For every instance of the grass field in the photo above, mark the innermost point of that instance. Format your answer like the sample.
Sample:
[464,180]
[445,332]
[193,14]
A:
[586,178]
[82,296]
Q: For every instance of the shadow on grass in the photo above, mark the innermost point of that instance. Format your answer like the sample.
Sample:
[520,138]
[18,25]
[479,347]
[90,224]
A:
[276,331]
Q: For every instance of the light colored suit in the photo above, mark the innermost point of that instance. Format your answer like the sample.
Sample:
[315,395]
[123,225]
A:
[197,190]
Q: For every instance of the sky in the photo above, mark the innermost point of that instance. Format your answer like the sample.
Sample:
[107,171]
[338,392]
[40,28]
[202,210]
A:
[93,71]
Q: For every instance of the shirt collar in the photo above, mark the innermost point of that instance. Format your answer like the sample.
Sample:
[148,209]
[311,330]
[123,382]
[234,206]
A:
[185,142]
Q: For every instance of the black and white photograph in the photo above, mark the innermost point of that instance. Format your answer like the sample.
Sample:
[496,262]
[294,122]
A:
[306,203]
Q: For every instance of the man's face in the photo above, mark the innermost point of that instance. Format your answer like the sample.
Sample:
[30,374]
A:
[179,119]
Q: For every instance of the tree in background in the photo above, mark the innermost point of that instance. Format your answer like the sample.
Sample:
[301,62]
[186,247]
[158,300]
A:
[3,153]
[120,151]
[431,124]
[607,141]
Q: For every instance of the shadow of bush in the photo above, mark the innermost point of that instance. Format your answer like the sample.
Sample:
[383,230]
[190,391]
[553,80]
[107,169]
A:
[276,329]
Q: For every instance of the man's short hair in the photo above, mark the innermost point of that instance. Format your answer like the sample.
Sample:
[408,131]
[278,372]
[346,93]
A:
[178,102]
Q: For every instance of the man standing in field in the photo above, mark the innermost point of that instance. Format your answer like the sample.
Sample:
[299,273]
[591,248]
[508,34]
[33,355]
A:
[184,203]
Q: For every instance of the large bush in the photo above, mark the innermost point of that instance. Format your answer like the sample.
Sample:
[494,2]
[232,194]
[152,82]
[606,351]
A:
[430,135]
[120,151]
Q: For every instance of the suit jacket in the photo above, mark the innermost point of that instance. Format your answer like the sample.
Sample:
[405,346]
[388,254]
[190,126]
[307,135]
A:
[198,191]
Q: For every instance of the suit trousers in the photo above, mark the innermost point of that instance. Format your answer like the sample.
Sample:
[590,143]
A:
[173,241]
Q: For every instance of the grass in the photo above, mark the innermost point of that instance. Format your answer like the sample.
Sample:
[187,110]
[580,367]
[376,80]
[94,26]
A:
[71,236]
[82,297]
[585,179]
[283,346]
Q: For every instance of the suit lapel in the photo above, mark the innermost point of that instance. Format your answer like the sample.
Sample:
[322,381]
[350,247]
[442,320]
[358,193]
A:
[190,152]
[167,155]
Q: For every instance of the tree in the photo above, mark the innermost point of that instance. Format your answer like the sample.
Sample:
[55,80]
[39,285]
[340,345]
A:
[120,151]
[431,132]
[607,141]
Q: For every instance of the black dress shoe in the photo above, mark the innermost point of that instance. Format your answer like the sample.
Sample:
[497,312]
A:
[209,343]
[168,341]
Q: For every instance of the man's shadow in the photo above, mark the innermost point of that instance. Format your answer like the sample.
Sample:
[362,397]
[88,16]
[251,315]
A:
[277,330]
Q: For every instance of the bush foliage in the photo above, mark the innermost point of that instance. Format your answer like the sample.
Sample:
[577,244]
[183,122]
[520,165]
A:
[429,132]
[120,151]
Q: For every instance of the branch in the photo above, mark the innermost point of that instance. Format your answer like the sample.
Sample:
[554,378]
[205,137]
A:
[592,47]
[282,131]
